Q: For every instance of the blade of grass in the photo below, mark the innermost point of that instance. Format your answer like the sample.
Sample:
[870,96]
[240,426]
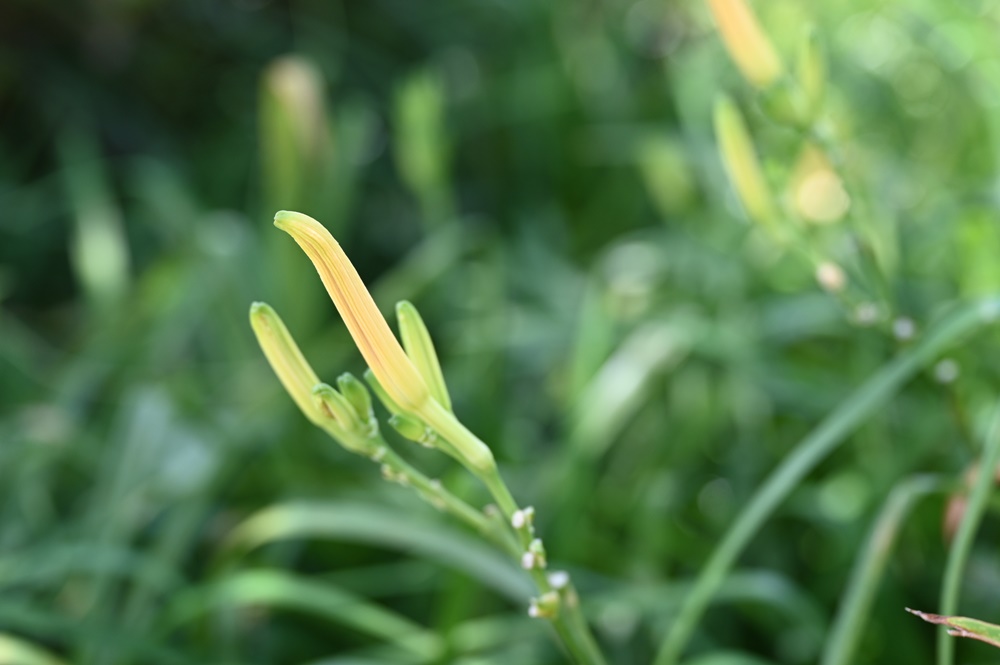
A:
[961,545]
[277,589]
[808,453]
[16,651]
[387,528]
[870,565]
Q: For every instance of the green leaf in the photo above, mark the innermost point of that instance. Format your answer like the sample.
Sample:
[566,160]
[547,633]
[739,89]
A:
[963,626]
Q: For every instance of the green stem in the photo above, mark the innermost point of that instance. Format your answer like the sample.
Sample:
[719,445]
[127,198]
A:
[435,494]
[569,624]
[870,565]
[810,451]
[958,554]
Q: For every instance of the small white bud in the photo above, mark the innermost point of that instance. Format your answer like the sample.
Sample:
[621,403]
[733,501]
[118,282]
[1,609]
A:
[533,611]
[831,277]
[866,314]
[522,518]
[946,371]
[904,328]
[528,560]
[558,579]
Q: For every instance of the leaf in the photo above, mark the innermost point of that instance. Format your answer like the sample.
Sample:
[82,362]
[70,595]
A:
[963,627]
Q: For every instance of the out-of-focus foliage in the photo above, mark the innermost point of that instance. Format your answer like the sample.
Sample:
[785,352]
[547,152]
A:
[543,179]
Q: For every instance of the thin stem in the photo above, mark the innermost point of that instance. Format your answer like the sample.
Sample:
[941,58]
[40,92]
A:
[435,494]
[961,545]
[870,565]
[830,433]
[569,623]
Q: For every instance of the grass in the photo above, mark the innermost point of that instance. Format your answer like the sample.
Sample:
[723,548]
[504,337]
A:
[718,450]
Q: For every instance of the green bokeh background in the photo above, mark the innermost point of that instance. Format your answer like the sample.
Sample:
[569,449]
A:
[542,179]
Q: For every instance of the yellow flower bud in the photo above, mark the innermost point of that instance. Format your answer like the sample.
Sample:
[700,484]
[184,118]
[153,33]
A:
[379,347]
[748,45]
[741,164]
[286,359]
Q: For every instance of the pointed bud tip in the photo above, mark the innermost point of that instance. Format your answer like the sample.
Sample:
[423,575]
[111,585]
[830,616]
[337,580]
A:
[260,309]
[283,219]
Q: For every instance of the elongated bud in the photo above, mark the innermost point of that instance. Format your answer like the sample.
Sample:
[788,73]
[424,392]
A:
[334,405]
[748,45]
[420,348]
[413,429]
[342,422]
[286,359]
[742,166]
[380,349]
[356,393]
[811,70]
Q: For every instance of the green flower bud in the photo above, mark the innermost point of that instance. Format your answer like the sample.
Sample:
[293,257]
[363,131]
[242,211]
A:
[356,393]
[413,429]
[420,348]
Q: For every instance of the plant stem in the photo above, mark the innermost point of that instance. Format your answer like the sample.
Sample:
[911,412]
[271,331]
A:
[810,451]
[961,545]
[569,624]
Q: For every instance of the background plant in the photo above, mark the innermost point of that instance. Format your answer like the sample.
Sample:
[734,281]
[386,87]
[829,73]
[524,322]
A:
[543,180]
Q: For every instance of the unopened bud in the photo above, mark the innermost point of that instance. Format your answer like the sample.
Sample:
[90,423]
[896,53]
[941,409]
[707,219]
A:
[742,166]
[286,359]
[336,406]
[523,518]
[831,277]
[413,429]
[748,45]
[356,393]
[420,348]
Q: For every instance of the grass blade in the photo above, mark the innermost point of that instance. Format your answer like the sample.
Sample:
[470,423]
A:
[808,453]
[961,545]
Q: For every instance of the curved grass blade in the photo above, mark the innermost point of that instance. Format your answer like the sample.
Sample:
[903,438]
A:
[830,433]
[870,565]
[271,588]
[16,651]
[378,526]
[961,545]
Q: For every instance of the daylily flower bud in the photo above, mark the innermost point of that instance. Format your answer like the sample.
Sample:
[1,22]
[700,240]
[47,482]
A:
[412,429]
[286,359]
[420,348]
[371,333]
[741,164]
[397,376]
[748,45]
[356,394]
[342,421]
[337,407]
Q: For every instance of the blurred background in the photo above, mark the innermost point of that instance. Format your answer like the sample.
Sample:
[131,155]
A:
[543,180]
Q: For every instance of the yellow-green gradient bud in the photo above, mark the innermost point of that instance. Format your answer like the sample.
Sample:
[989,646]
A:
[336,406]
[379,347]
[420,348]
[748,45]
[742,166]
[285,359]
